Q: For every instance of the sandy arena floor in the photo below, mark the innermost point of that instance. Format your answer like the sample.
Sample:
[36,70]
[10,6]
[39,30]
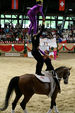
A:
[14,66]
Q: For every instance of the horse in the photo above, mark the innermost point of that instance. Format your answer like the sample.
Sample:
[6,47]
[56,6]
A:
[28,85]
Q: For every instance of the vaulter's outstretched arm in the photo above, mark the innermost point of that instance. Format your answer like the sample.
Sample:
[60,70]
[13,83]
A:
[42,28]
[41,11]
[36,37]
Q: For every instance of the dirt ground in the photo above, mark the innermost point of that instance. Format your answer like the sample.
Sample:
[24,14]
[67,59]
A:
[16,66]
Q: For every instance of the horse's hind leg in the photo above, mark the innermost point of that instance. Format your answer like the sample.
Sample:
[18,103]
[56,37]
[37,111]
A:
[24,102]
[18,95]
[23,105]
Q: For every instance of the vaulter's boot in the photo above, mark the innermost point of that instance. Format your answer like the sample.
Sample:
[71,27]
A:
[56,80]
[40,74]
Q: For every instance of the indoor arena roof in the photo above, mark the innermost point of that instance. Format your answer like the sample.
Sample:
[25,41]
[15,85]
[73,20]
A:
[52,7]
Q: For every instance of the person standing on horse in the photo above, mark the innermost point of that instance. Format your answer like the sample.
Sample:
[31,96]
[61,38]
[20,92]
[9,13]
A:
[42,59]
[32,13]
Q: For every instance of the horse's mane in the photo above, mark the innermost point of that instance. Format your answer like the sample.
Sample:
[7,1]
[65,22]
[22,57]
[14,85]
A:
[61,67]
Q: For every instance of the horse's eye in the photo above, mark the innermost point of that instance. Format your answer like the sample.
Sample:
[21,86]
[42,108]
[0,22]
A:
[68,73]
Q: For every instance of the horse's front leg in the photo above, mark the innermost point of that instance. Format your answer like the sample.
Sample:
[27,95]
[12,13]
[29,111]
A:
[12,111]
[53,103]
[49,111]
[55,109]
[51,107]
[25,111]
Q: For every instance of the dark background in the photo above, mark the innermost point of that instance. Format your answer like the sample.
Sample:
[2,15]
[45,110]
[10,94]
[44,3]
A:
[51,5]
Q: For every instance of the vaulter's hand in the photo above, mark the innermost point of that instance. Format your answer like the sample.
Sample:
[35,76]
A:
[43,19]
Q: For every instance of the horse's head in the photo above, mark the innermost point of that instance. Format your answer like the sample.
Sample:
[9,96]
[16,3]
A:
[63,72]
[66,74]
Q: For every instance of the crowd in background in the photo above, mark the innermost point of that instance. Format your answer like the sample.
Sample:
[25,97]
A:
[9,33]
[18,34]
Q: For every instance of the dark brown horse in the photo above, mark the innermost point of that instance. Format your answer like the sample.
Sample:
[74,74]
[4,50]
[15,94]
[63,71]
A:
[28,85]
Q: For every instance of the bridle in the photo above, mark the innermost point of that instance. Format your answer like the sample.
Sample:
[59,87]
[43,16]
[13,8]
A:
[59,78]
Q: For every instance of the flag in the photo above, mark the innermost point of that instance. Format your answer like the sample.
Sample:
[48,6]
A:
[14,4]
[61,5]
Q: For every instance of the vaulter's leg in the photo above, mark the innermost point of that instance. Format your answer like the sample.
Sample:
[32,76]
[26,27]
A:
[40,61]
[48,64]
[30,28]
[31,18]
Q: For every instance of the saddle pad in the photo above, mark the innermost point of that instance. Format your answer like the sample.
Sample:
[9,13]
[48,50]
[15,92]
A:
[43,78]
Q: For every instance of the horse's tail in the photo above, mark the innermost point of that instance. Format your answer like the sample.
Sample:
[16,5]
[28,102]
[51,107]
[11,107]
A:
[11,87]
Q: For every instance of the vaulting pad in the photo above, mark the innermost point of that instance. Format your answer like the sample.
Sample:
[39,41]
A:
[43,78]
[48,77]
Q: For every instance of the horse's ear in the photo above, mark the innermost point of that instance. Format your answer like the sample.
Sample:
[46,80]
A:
[70,68]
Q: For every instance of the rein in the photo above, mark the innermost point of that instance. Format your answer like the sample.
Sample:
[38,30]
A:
[59,78]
